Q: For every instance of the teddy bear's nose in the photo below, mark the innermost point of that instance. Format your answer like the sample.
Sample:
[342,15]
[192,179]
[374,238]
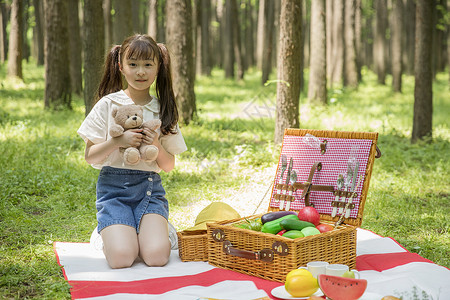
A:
[134,118]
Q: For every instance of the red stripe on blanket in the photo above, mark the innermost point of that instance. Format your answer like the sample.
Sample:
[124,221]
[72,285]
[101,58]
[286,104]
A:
[385,261]
[59,262]
[85,289]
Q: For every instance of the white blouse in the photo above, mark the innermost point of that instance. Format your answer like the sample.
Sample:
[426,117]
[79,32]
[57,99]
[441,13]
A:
[95,128]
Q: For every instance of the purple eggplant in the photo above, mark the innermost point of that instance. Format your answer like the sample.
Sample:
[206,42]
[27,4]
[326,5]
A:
[275,215]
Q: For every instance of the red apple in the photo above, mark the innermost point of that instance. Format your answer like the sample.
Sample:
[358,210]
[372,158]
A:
[324,227]
[309,214]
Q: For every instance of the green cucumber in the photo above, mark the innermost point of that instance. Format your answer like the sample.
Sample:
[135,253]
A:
[293,234]
[274,226]
[290,224]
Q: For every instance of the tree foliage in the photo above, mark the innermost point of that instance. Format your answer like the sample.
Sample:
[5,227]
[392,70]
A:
[235,35]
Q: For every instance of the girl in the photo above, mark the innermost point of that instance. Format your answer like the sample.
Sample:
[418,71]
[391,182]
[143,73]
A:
[132,211]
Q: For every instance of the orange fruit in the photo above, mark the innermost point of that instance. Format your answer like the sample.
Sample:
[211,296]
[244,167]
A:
[301,285]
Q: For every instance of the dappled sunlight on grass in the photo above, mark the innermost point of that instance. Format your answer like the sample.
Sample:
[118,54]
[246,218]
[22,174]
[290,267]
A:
[48,190]
[228,95]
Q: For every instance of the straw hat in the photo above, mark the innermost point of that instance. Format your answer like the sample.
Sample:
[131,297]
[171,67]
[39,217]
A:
[216,211]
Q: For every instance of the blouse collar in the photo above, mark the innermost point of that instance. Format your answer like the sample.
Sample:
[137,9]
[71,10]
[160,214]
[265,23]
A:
[122,98]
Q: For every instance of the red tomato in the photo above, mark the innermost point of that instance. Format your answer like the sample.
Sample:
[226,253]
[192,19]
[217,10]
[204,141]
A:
[324,227]
[309,214]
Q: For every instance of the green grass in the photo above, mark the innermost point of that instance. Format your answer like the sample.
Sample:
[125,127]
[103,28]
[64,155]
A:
[48,191]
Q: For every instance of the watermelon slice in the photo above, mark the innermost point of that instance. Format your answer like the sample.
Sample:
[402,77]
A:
[342,288]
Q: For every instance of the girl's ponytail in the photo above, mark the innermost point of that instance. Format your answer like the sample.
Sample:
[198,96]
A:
[112,77]
[165,94]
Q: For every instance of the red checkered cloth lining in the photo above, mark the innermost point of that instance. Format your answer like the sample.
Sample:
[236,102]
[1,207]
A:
[334,162]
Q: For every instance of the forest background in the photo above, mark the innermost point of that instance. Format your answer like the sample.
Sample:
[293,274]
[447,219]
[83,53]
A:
[243,71]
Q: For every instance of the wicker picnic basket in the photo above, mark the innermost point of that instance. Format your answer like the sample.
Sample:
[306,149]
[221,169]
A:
[319,157]
[192,246]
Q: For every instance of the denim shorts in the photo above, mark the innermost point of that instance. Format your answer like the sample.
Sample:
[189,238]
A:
[124,196]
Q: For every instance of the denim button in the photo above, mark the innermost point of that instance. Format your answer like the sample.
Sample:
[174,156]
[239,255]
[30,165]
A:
[149,193]
[150,179]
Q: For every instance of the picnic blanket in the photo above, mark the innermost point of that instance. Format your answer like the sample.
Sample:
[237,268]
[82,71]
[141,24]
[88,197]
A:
[388,267]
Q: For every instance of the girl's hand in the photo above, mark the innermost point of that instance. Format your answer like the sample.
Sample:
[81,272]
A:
[97,153]
[150,137]
[130,138]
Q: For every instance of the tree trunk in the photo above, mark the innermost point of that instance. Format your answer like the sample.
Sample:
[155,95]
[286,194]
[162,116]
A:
[76,79]
[135,21]
[216,36]
[249,36]
[260,34]
[203,64]
[444,46]
[3,35]
[122,24]
[237,40]
[305,34]
[440,9]
[144,17]
[25,44]
[338,41]
[197,12]
[379,52]
[15,40]
[152,28]
[317,90]
[205,32]
[368,38]
[288,87]
[329,37]
[38,33]
[397,32]
[161,20]
[350,67]
[108,27]
[448,51]
[219,46]
[57,77]
[302,55]
[228,49]
[179,43]
[94,51]
[409,36]
[268,38]
[358,38]
[423,92]
[276,32]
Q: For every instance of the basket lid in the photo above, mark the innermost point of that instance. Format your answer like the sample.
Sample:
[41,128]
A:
[319,158]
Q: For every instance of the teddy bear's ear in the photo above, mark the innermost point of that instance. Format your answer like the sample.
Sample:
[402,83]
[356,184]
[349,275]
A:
[114,112]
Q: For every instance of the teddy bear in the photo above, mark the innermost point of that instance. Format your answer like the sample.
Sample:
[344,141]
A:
[130,117]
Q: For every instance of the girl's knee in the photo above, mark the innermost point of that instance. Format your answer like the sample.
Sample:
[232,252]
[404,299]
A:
[120,258]
[156,257]
[156,261]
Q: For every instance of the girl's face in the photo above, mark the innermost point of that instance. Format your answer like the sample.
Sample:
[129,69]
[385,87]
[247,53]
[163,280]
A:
[139,73]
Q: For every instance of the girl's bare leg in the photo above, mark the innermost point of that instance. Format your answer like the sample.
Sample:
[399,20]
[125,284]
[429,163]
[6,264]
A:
[154,244]
[120,245]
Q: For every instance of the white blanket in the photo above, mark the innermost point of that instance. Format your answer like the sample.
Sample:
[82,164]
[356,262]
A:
[387,266]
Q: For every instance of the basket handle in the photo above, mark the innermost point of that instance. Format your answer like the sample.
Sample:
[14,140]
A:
[265,255]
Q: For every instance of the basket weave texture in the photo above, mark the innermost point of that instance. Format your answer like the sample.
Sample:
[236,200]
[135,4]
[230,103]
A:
[336,246]
[192,246]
